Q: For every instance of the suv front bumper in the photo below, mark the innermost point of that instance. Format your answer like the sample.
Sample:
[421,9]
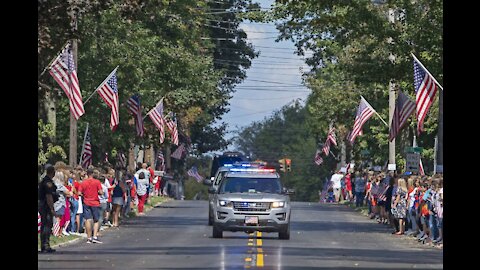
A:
[273,220]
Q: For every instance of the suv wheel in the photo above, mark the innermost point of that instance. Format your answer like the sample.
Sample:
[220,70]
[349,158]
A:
[284,233]
[217,232]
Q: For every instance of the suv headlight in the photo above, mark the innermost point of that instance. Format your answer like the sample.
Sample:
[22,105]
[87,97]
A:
[224,203]
[278,204]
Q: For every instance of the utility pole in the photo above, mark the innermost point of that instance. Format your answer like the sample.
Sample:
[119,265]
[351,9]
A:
[439,141]
[391,94]
[72,158]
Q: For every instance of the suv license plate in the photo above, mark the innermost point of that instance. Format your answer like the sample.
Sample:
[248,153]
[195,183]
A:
[251,220]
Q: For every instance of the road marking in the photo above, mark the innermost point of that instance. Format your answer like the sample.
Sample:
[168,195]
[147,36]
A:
[259,250]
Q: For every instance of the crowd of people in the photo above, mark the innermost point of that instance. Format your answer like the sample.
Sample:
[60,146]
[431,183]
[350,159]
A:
[82,201]
[411,205]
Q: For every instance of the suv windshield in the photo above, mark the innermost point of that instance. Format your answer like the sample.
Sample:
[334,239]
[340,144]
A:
[255,185]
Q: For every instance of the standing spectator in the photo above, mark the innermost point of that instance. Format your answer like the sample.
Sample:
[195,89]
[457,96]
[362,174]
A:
[90,188]
[359,189]
[152,176]
[390,197]
[142,184]
[439,211]
[337,185]
[47,197]
[74,217]
[157,182]
[399,207]
[411,225]
[117,200]
[65,221]
[348,187]
[128,194]
[423,211]
[103,200]
[110,186]
[61,204]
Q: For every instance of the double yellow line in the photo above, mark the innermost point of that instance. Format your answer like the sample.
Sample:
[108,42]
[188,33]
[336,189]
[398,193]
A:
[255,257]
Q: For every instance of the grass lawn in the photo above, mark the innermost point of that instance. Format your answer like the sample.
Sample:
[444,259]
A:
[58,240]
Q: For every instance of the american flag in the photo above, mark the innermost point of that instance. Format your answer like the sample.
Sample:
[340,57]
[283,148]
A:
[403,109]
[178,152]
[420,169]
[193,172]
[156,114]
[63,71]
[121,160]
[109,92]
[326,147]
[39,222]
[318,159]
[326,187]
[160,160]
[364,112]
[133,104]
[87,152]
[381,192]
[172,128]
[425,89]
[331,136]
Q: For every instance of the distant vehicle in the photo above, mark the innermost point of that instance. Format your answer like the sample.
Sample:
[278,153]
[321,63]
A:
[225,158]
[251,199]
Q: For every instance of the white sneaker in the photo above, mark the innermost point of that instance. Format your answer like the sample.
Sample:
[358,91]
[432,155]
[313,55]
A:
[64,232]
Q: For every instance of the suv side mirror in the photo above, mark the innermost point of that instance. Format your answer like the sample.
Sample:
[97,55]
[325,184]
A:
[207,182]
[289,191]
[212,190]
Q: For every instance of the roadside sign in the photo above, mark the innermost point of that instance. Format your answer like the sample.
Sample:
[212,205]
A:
[392,167]
[413,162]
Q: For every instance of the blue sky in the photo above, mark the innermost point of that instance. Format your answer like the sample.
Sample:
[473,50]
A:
[277,68]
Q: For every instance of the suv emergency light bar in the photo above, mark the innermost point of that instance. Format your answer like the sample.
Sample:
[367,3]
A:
[251,170]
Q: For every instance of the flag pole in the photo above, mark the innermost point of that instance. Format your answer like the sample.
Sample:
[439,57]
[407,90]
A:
[108,77]
[83,146]
[427,71]
[374,110]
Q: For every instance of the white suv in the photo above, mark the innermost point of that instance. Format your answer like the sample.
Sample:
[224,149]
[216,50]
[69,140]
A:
[251,200]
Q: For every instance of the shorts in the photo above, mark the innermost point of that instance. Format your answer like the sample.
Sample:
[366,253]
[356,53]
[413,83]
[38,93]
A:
[117,200]
[90,212]
[60,212]
[336,192]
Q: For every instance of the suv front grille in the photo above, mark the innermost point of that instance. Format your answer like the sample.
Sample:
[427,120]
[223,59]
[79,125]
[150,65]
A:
[251,206]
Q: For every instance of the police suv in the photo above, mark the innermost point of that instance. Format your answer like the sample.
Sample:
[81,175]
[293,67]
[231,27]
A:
[251,199]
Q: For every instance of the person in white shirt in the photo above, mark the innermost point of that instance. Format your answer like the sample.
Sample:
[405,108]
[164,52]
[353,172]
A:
[337,185]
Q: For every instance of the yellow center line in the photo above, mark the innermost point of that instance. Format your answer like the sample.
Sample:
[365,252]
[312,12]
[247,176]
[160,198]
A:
[259,250]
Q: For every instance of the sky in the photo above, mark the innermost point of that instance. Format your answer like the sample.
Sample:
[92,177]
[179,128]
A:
[277,68]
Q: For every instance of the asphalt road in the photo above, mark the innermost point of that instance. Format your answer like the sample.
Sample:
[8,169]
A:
[175,235]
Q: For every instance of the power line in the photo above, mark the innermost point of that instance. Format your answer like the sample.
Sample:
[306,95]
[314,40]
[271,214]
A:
[269,98]
[253,80]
